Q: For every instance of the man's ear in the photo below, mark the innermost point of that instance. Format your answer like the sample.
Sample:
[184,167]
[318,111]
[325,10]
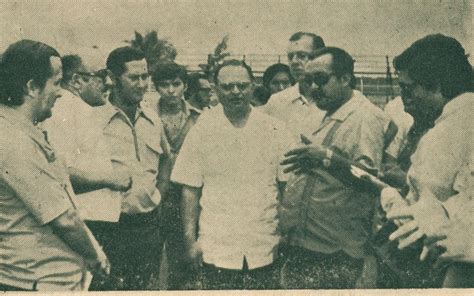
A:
[346,79]
[32,89]
[75,79]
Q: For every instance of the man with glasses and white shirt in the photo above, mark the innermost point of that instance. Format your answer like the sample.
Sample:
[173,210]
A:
[231,177]
[294,105]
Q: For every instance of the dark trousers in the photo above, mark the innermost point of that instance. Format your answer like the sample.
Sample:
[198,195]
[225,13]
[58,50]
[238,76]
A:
[214,278]
[7,288]
[133,246]
[306,269]
[459,275]
[179,272]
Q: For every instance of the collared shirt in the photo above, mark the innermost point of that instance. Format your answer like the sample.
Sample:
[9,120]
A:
[336,215]
[34,190]
[396,110]
[75,133]
[442,166]
[173,125]
[238,169]
[136,148]
[290,106]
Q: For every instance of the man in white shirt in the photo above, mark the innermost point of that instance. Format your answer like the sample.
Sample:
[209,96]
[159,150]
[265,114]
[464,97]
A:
[231,177]
[75,132]
[294,105]
[436,80]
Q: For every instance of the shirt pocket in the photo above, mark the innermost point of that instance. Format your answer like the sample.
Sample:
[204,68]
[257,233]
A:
[151,155]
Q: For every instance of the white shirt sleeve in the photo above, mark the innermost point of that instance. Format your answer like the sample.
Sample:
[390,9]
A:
[188,169]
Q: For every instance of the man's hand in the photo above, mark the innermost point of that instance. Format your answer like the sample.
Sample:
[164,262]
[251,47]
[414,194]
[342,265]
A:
[194,255]
[99,267]
[119,181]
[426,218]
[302,160]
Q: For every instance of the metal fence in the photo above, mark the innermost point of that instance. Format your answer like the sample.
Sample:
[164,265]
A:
[374,73]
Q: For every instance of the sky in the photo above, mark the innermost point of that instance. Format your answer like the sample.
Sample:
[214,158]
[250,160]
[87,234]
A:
[362,27]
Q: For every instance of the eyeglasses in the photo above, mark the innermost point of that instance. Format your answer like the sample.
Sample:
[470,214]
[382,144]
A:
[242,86]
[137,77]
[301,55]
[407,88]
[319,78]
[102,74]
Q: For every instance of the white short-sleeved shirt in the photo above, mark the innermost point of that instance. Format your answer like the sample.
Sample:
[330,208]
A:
[74,131]
[238,169]
[290,106]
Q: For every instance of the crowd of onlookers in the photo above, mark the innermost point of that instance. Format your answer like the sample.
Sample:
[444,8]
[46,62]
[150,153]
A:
[298,183]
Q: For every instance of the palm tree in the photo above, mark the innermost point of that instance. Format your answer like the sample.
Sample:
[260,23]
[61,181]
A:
[216,58]
[156,50]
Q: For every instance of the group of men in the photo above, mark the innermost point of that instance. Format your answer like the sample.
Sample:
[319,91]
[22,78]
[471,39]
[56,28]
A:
[238,197]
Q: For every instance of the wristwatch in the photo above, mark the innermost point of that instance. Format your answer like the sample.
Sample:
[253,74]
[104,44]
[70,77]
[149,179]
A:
[328,158]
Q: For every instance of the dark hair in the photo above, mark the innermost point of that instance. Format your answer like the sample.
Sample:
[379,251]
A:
[71,64]
[318,42]
[23,61]
[437,60]
[235,63]
[342,62]
[120,56]
[169,71]
[193,84]
[262,94]
[273,70]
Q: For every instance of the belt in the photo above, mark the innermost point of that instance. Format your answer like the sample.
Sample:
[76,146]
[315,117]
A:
[141,218]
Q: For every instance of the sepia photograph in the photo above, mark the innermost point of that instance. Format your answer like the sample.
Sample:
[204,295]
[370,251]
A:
[285,147]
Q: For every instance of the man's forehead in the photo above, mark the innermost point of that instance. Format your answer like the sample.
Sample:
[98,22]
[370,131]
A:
[172,80]
[404,77]
[305,43]
[233,73]
[92,59]
[56,65]
[320,64]
[136,67]
[204,83]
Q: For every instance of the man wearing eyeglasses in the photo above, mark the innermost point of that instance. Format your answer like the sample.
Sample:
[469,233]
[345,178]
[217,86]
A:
[231,177]
[329,245]
[74,130]
[294,105]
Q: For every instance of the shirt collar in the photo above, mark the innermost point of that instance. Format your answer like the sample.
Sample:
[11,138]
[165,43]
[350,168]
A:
[461,102]
[17,119]
[113,111]
[190,107]
[349,107]
[294,92]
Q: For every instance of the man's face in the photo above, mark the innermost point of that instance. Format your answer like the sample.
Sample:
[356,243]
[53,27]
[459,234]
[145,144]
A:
[298,52]
[50,93]
[133,83]
[204,93]
[324,87]
[92,86]
[171,90]
[279,82]
[234,88]
[418,101]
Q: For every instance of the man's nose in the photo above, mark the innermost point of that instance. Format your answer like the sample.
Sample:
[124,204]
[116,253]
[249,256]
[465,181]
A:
[143,82]
[235,89]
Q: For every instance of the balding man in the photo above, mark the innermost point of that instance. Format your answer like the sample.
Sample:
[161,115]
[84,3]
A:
[294,105]
[76,135]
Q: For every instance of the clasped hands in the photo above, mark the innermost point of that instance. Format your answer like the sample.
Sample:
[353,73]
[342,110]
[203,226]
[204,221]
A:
[427,220]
